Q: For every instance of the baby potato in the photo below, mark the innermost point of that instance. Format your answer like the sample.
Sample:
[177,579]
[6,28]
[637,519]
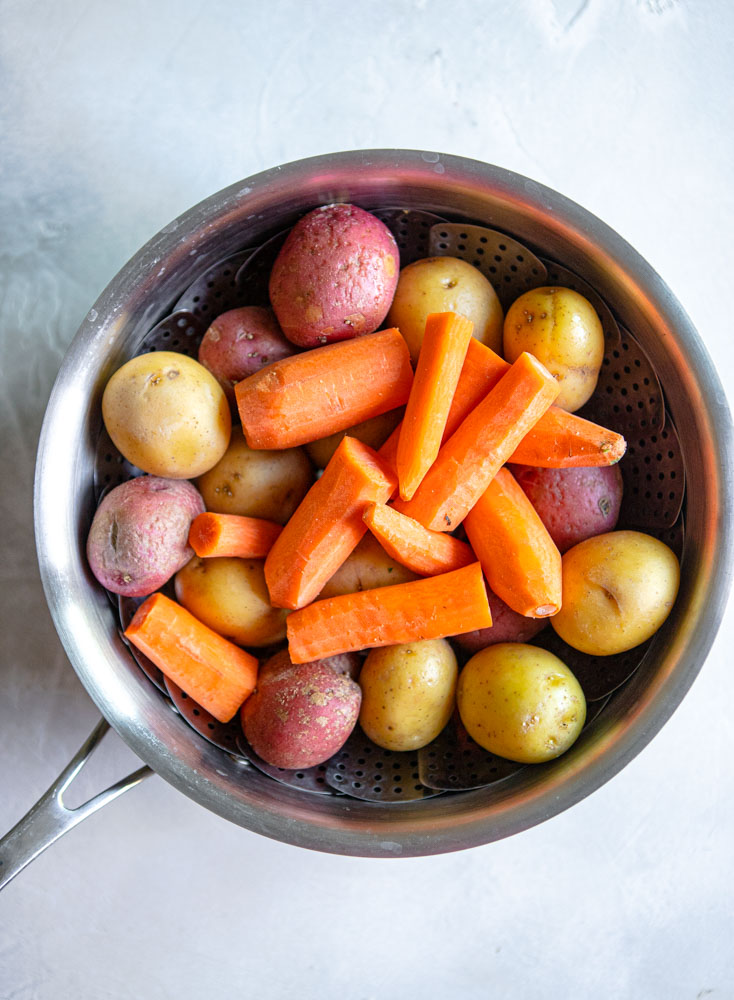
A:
[520,702]
[561,328]
[240,342]
[373,432]
[268,484]
[230,596]
[573,504]
[300,714]
[507,626]
[618,589]
[367,568]
[140,534]
[167,414]
[335,275]
[407,693]
[444,284]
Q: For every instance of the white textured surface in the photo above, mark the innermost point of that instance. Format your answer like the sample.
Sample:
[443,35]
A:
[117,117]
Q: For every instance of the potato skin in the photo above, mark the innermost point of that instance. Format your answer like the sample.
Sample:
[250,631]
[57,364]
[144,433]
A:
[239,343]
[407,693]
[445,284]
[167,415]
[139,534]
[367,568]
[335,276]
[520,702]
[256,483]
[561,328]
[230,596]
[507,626]
[373,432]
[573,504]
[618,589]
[300,714]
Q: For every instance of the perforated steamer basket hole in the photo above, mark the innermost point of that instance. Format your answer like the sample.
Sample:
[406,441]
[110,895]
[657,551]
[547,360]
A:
[365,771]
[411,229]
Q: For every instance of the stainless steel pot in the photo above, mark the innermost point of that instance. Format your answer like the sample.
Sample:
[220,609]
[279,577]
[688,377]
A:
[244,215]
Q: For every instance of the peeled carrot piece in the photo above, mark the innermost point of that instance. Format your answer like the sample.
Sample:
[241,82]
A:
[312,395]
[232,535]
[519,558]
[481,445]
[562,440]
[432,608]
[559,440]
[441,357]
[327,525]
[210,669]
[409,543]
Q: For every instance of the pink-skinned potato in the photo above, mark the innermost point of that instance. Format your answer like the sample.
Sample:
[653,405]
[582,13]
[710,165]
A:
[139,534]
[335,276]
[240,342]
[573,504]
[300,714]
[507,626]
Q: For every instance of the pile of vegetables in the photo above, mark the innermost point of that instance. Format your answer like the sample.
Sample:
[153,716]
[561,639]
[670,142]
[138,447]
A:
[406,478]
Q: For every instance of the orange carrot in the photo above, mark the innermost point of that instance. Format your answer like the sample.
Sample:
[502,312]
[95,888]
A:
[562,440]
[558,440]
[425,552]
[432,608]
[441,357]
[210,669]
[481,445]
[311,395]
[519,558]
[327,525]
[232,535]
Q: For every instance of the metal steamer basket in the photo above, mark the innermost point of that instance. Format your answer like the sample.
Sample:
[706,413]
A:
[658,387]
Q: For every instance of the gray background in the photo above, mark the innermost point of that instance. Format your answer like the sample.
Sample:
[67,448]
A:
[116,117]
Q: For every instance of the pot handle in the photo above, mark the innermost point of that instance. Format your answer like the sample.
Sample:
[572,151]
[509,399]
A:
[49,818]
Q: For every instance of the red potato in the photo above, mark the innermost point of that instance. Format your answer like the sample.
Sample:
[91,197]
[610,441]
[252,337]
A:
[300,714]
[335,276]
[507,626]
[573,504]
[239,343]
[139,534]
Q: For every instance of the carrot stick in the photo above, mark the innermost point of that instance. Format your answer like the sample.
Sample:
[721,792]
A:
[425,552]
[232,535]
[432,608]
[311,395]
[481,445]
[519,558]
[218,675]
[327,525]
[562,440]
[441,357]
[559,439]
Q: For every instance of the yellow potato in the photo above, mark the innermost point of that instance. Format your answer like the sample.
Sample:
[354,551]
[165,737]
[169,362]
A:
[367,568]
[373,432]
[268,484]
[167,414]
[520,702]
[561,328]
[230,596]
[445,284]
[407,693]
[618,589]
